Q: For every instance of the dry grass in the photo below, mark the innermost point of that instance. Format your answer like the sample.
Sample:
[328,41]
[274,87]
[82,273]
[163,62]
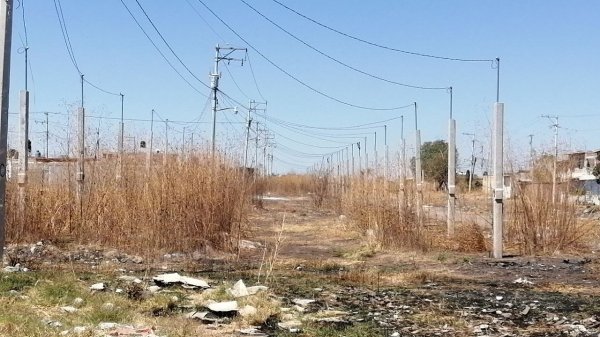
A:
[387,219]
[290,184]
[180,206]
[537,226]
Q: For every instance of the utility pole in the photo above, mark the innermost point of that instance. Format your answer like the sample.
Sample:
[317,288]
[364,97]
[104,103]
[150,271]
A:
[214,84]
[555,124]
[451,171]
[531,153]
[120,145]
[23,150]
[149,154]
[387,163]
[359,159]
[166,142]
[6,10]
[81,158]
[418,173]
[252,106]
[472,167]
[498,156]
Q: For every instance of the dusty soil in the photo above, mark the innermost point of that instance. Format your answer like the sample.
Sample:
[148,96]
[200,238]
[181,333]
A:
[315,254]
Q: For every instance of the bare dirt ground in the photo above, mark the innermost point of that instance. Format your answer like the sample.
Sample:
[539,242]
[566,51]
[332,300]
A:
[425,294]
[355,288]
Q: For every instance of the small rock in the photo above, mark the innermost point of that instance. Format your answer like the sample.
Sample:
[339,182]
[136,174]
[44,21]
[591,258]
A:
[153,289]
[229,306]
[107,325]
[239,289]
[79,330]
[77,302]
[119,291]
[525,311]
[255,289]
[68,309]
[97,287]
[302,302]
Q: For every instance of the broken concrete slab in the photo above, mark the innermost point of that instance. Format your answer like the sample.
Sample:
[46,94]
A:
[175,278]
[223,307]
[239,289]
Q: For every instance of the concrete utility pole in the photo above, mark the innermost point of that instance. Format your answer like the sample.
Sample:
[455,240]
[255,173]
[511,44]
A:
[387,153]
[6,10]
[252,106]
[359,159]
[418,172]
[530,153]
[451,171]
[352,153]
[555,124]
[472,168]
[214,84]
[120,145]
[402,153]
[81,152]
[23,151]
[149,153]
[166,142]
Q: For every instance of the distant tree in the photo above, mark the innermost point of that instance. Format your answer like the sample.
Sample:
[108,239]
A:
[434,162]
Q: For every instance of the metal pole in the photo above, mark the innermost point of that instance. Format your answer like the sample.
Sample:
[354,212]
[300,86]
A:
[215,88]
[498,193]
[497,79]
[5,41]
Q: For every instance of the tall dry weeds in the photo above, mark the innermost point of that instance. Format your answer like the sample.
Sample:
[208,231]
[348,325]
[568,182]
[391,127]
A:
[180,206]
[536,226]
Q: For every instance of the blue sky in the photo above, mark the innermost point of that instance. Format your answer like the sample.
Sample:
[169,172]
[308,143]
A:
[548,52]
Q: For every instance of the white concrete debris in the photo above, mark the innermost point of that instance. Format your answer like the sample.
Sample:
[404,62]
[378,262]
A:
[174,278]
[522,280]
[247,311]
[302,301]
[97,286]
[239,289]
[228,306]
[256,289]
[68,309]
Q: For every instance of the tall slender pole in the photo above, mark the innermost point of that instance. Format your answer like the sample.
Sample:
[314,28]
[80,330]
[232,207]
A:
[472,173]
[418,172]
[166,142]
[81,155]
[531,153]
[48,136]
[6,11]
[121,136]
[352,153]
[23,151]
[451,170]
[214,81]
[248,124]
[498,193]
[149,154]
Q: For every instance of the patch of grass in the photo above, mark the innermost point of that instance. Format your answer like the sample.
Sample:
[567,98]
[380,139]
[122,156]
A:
[15,281]
[57,292]
[265,305]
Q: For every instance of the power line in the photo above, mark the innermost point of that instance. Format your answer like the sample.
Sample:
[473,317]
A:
[103,90]
[169,46]
[65,34]
[337,60]
[377,44]
[254,78]
[288,73]
[160,52]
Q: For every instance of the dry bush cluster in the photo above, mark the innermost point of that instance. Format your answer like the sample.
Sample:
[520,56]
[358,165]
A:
[389,219]
[290,184]
[537,226]
[181,206]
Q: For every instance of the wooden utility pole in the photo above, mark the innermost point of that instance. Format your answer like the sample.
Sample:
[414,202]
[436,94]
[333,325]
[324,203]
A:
[6,10]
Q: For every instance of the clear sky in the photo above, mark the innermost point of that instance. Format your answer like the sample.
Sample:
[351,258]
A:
[548,51]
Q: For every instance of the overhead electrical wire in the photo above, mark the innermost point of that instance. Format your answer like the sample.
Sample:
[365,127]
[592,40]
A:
[254,78]
[67,40]
[160,51]
[289,74]
[169,46]
[377,44]
[337,60]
